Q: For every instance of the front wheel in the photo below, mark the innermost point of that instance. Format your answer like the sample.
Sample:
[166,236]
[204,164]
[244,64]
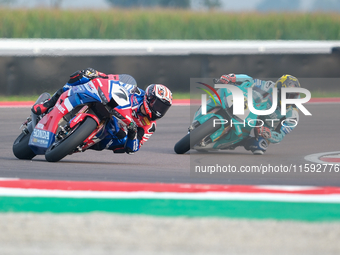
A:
[20,147]
[62,148]
[196,135]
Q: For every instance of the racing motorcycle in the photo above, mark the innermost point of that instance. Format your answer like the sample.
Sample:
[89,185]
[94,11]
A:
[77,121]
[219,128]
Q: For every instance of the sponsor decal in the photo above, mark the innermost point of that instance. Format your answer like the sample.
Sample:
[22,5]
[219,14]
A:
[40,138]
[61,109]
[90,87]
[160,92]
[109,144]
[146,121]
[163,93]
[37,133]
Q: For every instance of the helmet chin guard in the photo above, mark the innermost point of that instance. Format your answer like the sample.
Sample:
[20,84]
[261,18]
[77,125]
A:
[288,81]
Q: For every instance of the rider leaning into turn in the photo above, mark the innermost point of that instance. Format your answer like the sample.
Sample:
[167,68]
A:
[271,131]
[147,107]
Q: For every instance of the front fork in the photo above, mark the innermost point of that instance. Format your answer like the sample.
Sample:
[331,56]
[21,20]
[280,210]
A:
[83,113]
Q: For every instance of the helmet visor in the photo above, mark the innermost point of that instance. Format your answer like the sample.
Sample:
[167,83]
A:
[158,108]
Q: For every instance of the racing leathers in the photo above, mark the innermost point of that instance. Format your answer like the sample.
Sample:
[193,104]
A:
[278,124]
[270,128]
[122,140]
[273,127]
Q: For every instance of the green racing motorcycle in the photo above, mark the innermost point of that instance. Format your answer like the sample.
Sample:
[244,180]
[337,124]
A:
[218,128]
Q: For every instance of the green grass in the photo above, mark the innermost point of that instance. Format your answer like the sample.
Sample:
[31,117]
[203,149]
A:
[19,98]
[325,94]
[167,24]
[181,95]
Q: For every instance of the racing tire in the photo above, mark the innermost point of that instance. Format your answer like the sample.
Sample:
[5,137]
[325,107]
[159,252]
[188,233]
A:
[20,147]
[64,147]
[196,135]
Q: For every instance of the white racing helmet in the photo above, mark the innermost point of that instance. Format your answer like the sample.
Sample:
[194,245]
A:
[157,101]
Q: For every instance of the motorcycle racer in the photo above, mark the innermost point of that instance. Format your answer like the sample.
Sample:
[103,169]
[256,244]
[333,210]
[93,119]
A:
[147,106]
[275,126]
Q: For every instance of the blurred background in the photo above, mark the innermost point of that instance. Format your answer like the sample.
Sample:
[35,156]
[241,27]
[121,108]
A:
[167,41]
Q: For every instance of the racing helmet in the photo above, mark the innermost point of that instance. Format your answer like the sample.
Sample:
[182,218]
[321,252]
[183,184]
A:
[157,101]
[288,81]
[226,79]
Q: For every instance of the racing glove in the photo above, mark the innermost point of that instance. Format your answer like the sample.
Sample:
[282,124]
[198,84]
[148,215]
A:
[132,131]
[81,77]
[132,143]
[263,132]
[76,78]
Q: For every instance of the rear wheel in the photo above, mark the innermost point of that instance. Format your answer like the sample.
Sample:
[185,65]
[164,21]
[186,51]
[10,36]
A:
[62,148]
[195,136]
[21,149]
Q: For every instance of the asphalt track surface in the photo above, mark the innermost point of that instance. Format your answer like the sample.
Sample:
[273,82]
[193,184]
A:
[157,161]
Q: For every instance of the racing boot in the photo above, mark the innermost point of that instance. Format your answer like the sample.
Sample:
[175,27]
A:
[44,106]
[257,146]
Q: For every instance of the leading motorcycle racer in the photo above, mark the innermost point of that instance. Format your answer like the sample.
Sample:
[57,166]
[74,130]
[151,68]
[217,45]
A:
[147,107]
[270,131]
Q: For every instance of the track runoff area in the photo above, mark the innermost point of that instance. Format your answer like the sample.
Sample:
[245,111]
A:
[282,202]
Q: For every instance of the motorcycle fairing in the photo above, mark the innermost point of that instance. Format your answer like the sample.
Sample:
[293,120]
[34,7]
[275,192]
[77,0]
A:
[40,140]
[97,90]
[223,138]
